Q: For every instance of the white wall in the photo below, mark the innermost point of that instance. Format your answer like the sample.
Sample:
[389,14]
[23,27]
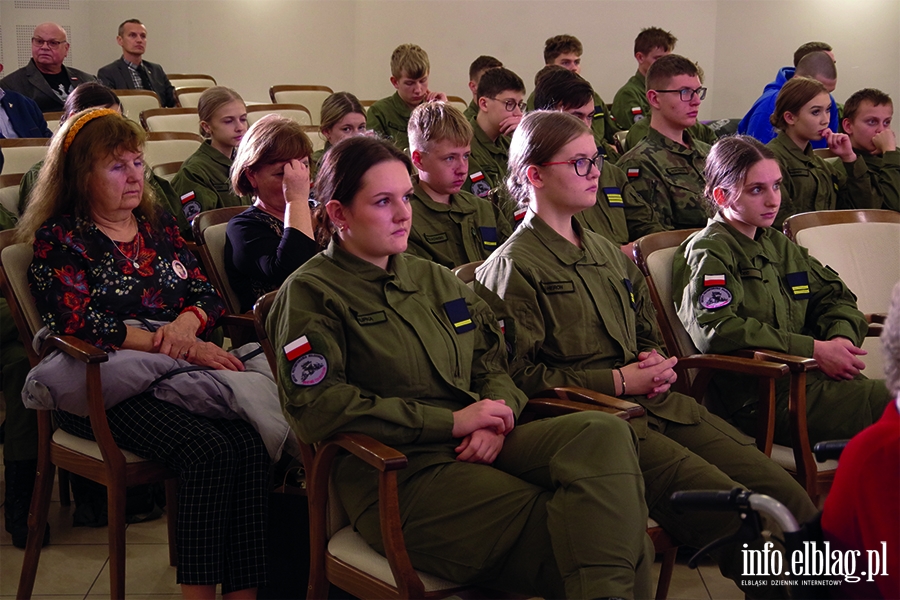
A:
[346,44]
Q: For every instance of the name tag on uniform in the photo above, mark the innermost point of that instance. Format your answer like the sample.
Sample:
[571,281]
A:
[614,197]
[798,172]
[557,287]
[435,238]
[751,273]
[488,237]
[799,284]
[371,318]
[459,316]
[678,170]
[630,288]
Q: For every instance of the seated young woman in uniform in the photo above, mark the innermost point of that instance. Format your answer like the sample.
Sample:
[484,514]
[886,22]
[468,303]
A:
[381,342]
[808,181]
[342,116]
[268,241]
[449,226]
[202,182]
[577,312]
[739,283]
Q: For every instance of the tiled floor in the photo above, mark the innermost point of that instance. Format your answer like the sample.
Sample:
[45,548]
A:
[75,565]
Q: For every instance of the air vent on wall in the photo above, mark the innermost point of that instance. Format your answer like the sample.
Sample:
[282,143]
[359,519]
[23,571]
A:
[43,4]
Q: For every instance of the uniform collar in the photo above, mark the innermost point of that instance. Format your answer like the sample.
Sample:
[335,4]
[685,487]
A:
[398,271]
[459,203]
[658,139]
[400,106]
[497,148]
[805,155]
[214,155]
[564,250]
[762,245]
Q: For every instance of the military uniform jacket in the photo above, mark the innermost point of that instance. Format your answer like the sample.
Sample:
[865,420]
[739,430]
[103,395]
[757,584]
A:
[203,182]
[620,214]
[390,117]
[29,82]
[466,230]
[391,354]
[577,313]
[630,104]
[641,128]
[669,177]
[811,183]
[884,177]
[117,75]
[490,158]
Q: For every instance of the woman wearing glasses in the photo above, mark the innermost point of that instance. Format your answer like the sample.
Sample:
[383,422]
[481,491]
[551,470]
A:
[809,183]
[576,312]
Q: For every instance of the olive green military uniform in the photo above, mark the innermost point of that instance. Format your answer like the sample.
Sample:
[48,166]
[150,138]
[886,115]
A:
[630,104]
[884,177]
[466,230]
[811,183]
[471,110]
[164,191]
[669,177]
[641,128]
[578,314]
[620,214]
[734,293]
[21,423]
[203,182]
[603,126]
[488,164]
[314,159]
[393,354]
[390,117]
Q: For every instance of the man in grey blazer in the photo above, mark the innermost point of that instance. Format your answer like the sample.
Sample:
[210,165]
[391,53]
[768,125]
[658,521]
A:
[45,79]
[131,72]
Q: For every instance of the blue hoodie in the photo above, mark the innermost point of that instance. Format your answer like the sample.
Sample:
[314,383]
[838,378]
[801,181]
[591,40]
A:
[756,122]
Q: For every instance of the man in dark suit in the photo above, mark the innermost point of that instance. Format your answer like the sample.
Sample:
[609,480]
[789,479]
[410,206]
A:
[131,72]
[45,79]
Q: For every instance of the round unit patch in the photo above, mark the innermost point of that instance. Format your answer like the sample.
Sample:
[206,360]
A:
[309,369]
[715,297]
[191,209]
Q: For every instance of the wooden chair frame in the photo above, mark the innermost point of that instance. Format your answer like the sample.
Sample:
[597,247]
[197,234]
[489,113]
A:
[767,365]
[273,91]
[175,77]
[326,569]
[179,92]
[153,112]
[797,223]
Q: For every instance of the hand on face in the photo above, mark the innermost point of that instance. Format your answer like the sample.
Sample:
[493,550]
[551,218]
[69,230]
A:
[839,143]
[435,96]
[295,183]
[884,141]
[509,124]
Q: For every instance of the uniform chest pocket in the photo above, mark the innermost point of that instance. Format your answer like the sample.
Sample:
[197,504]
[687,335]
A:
[799,172]
[373,318]
[569,318]
[222,187]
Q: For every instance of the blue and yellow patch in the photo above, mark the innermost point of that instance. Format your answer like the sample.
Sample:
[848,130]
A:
[614,197]
[458,313]
[798,284]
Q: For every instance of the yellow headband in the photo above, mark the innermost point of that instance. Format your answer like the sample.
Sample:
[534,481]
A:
[82,121]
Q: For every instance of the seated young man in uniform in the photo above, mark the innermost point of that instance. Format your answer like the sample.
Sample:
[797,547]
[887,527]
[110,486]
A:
[476,70]
[630,104]
[867,120]
[449,226]
[666,167]
[499,96]
[620,214]
[409,76]
[565,51]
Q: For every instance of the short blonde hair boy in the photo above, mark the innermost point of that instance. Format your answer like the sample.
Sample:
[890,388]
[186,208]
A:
[432,122]
[409,60]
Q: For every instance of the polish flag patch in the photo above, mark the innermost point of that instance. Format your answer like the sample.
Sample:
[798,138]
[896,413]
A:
[637,111]
[477,176]
[187,197]
[520,214]
[633,172]
[297,348]
[711,280]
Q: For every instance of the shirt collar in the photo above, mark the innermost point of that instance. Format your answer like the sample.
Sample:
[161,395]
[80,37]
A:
[661,140]
[130,64]
[805,155]
[760,246]
[458,202]
[397,271]
[564,250]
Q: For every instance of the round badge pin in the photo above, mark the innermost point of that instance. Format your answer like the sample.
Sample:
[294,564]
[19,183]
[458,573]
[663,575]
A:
[309,369]
[715,297]
[179,269]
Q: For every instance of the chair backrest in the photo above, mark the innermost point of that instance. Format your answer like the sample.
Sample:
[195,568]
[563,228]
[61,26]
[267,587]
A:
[310,96]
[315,136]
[366,104]
[619,137]
[168,170]
[135,101]
[9,192]
[466,272]
[863,246]
[209,235]
[185,120]
[296,112]
[189,97]
[20,154]
[654,255]
[458,102]
[168,146]
[52,119]
[183,80]
[15,258]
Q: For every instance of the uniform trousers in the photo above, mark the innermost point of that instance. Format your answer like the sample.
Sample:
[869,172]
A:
[560,512]
[223,470]
[712,455]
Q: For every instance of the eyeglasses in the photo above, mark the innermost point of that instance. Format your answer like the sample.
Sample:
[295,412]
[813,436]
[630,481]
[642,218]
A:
[582,166]
[52,44]
[686,93]
[511,104]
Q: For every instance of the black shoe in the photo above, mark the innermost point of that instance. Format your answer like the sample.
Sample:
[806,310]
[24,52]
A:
[20,475]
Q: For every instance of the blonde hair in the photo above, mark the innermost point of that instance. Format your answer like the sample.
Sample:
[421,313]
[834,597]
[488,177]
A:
[212,100]
[64,182]
[270,140]
[409,60]
[432,122]
[538,137]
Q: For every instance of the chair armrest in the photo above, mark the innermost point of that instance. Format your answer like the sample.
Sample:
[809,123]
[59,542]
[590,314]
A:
[241,320]
[586,396]
[875,329]
[554,407]
[876,318]
[735,364]
[374,453]
[76,348]
[795,363]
